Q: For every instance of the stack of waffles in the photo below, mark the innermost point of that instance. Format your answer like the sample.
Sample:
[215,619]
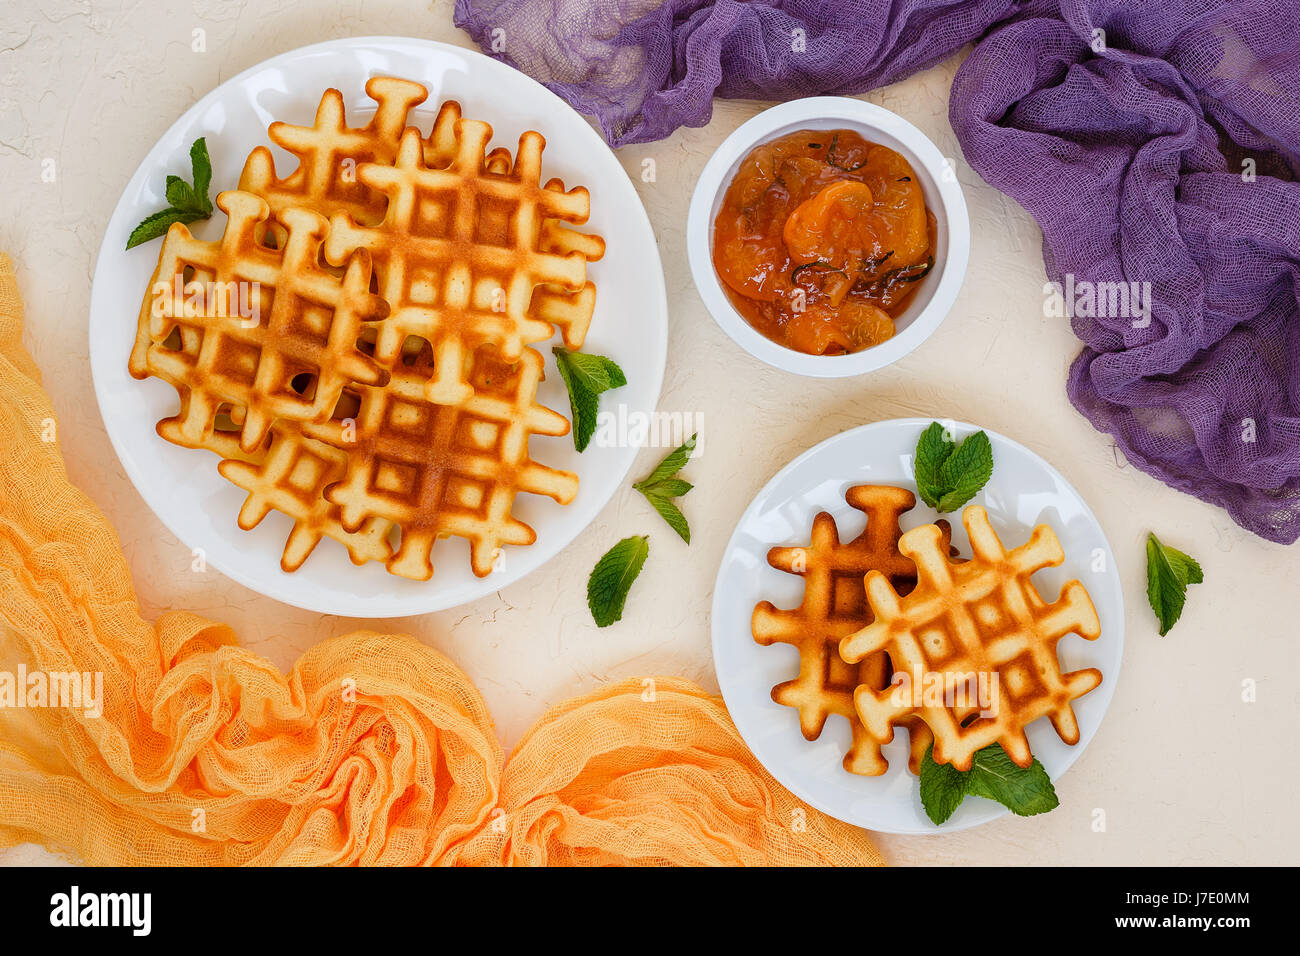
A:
[377,384]
[895,630]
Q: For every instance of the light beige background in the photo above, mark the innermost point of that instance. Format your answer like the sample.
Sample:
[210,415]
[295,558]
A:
[1182,769]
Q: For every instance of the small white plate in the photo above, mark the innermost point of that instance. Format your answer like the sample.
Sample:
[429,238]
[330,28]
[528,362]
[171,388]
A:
[183,487]
[1024,491]
[937,293]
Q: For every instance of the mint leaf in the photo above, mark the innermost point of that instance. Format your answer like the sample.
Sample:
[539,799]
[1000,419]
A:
[612,578]
[1169,572]
[932,449]
[586,376]
[668,488]
[949,475]
[201,171]
[673,515]
[157,225]
[673,462]
[943,787]
[966,471]
[188,203]
[181,196]
[660,486]
[1025,791]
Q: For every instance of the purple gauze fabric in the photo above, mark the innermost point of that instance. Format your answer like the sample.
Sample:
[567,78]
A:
[1127,145]
[1131,159]
[642,68]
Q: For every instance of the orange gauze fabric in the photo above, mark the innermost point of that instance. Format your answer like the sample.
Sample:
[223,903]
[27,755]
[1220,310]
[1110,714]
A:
[373,749]
[652,771]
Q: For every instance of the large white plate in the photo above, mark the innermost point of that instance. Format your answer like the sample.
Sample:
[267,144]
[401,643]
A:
[1025,491]
[182,486]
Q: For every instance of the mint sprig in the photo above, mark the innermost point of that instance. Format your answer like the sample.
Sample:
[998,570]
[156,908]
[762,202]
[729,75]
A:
[1169,572]
[612,578]
[189,201]
[1025,791]
[947,474]
[586,376]
[660,487]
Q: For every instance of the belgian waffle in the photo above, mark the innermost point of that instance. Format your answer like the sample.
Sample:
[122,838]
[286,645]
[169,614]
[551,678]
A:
[833,606]
[433,469]
[978,617]
[329,153]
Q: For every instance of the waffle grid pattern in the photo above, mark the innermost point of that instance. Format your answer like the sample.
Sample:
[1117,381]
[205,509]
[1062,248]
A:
[385,394]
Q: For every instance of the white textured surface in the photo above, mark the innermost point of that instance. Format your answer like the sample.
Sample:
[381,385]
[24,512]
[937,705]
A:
[1183,770]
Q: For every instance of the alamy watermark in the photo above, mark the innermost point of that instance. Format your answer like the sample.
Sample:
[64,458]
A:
[133,911]
[242,300]
[1086,299]
[622,427]
[70,690]
[962,691]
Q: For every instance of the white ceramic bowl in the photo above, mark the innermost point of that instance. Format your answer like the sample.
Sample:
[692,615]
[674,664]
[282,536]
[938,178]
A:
[943,195]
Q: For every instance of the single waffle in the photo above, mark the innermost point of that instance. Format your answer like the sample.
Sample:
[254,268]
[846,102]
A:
[976,622]
[291,360]
[329,153]
[434,470]
[462,250]
[834,605]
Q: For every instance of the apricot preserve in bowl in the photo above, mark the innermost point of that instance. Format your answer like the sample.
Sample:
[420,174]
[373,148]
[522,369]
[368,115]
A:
[827,236]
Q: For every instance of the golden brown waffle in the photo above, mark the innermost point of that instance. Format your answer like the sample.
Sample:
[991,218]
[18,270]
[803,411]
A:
[963,621]
[834,605]
[462,249]
[223,439]
[435,470]
[329,405]
[291,361]
[329,153]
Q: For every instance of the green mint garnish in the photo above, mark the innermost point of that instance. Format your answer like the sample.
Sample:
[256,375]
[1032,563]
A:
[660,487]
[612,578]
[1024,791]
[189,202]
[1169,571]
[943,788]
[586,376]
[947,474]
